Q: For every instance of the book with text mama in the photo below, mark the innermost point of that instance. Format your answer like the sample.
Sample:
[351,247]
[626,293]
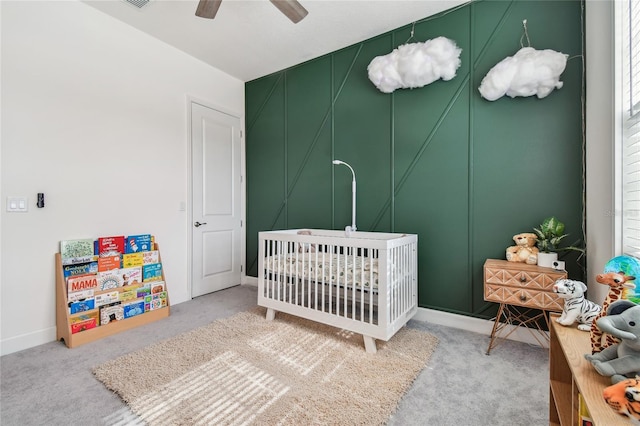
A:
[82,282]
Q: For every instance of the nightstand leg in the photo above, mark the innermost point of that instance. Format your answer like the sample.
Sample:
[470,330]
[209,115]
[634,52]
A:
[496,323]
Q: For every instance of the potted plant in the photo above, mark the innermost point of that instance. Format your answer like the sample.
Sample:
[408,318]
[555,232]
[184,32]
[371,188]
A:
[550,233]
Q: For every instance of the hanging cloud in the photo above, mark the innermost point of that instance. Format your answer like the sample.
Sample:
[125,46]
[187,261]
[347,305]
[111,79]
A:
[415,65]
[529,72]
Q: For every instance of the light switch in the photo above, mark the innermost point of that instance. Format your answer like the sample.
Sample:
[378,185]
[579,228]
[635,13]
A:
[17,204]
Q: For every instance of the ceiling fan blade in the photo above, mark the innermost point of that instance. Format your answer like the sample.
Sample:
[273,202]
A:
[292,9]
[208,8]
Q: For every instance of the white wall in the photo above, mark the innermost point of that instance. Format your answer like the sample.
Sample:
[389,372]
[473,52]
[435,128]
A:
[94,115]
[600,142]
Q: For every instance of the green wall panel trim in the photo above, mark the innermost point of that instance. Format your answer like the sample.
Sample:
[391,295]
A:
[463,173]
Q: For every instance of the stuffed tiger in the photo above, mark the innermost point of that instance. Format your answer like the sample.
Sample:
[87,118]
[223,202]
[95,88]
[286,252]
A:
[576,307]
[624,398]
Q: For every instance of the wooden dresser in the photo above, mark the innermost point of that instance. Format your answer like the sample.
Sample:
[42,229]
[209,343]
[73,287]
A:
[520,289]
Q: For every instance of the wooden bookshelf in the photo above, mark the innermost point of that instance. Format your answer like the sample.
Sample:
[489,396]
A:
[63,323]
[570,374]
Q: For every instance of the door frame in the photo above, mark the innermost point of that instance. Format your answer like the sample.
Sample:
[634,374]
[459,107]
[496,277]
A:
[189,203]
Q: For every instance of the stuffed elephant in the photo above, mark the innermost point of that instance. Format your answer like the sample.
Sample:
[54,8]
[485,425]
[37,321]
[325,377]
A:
[621,360]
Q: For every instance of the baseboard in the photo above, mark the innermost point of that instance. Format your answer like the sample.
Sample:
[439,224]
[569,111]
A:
[246,280]
[26,341]
[477,325]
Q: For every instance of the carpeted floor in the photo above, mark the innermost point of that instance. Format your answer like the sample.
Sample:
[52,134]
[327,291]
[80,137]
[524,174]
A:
[247,370]
[53,385]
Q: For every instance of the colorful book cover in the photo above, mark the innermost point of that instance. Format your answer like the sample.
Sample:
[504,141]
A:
[111,313]
[155,301]
[109,263]
[80,295]
[81,306]
[107,298]
[152,272]
[83,322]
[132,259]
[129,295]
[134,308]
[108,280]
[131,276]
[80,269]
[150,257]
[157,287]
[76,251]
[82,282]
[138,243]
[144,290]
[110,246]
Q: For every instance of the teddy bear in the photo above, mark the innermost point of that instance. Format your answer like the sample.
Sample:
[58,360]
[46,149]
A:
[525,249]
[622,360]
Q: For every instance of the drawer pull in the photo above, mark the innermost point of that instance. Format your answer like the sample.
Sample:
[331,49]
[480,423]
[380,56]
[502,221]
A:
[523,298]
[523,279]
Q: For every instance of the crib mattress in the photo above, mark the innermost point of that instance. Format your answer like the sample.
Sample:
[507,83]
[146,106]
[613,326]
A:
[335,269]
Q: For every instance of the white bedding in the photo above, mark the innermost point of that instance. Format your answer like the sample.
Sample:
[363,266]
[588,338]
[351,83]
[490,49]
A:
[326,268]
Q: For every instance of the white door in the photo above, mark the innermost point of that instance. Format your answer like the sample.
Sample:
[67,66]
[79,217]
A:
[216,184]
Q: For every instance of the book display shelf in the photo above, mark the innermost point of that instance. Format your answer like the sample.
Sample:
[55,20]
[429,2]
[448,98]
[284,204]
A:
[126,291]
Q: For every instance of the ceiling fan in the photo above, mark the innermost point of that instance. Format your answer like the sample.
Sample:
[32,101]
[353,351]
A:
[291,8]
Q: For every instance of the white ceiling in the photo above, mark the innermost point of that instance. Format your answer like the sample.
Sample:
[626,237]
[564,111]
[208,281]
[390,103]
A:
[252,38]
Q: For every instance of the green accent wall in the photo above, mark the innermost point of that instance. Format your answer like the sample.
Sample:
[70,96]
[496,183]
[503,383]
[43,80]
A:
[463,173]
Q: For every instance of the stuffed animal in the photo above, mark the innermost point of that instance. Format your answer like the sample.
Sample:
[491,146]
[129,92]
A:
[306,247]
[622,360]
[576,307]
[525,249]
[624,398]
[618,284]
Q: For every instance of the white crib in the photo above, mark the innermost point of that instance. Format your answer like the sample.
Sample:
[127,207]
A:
[366,283]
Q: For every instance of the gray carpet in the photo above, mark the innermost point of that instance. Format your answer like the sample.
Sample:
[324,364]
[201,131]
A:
[53,385]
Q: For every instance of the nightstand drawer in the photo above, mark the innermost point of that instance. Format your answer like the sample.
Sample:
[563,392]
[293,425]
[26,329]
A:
[519,296]
[522,285]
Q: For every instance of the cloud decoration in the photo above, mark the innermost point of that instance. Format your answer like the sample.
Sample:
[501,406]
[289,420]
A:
[529,72]
[415,65]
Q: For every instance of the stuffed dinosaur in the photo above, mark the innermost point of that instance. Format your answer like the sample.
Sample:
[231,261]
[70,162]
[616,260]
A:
[622,360]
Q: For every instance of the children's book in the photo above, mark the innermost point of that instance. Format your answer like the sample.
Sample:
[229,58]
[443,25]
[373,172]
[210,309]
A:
[132,259]
[138,243]
[82,282]
[111,313]
[129,295]
[144,290]
[83,322]
[157,287]
[134,308]
[108,263]
[80,295]
[155,301]
[81,306]
[108,280]
[107,298]
[110,246]
[131,276]
[150,257]
[76,251]
[80,269]
[152,272]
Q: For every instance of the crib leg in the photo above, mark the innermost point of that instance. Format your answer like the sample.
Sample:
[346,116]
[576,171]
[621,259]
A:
[271,314]
[369,344]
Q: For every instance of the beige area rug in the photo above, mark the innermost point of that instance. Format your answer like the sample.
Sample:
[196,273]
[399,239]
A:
[246,370]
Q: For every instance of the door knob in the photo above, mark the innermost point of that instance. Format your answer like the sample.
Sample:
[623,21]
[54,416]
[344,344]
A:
[197,224]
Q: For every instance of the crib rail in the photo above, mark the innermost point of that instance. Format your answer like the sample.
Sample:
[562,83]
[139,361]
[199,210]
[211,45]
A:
[365,285]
